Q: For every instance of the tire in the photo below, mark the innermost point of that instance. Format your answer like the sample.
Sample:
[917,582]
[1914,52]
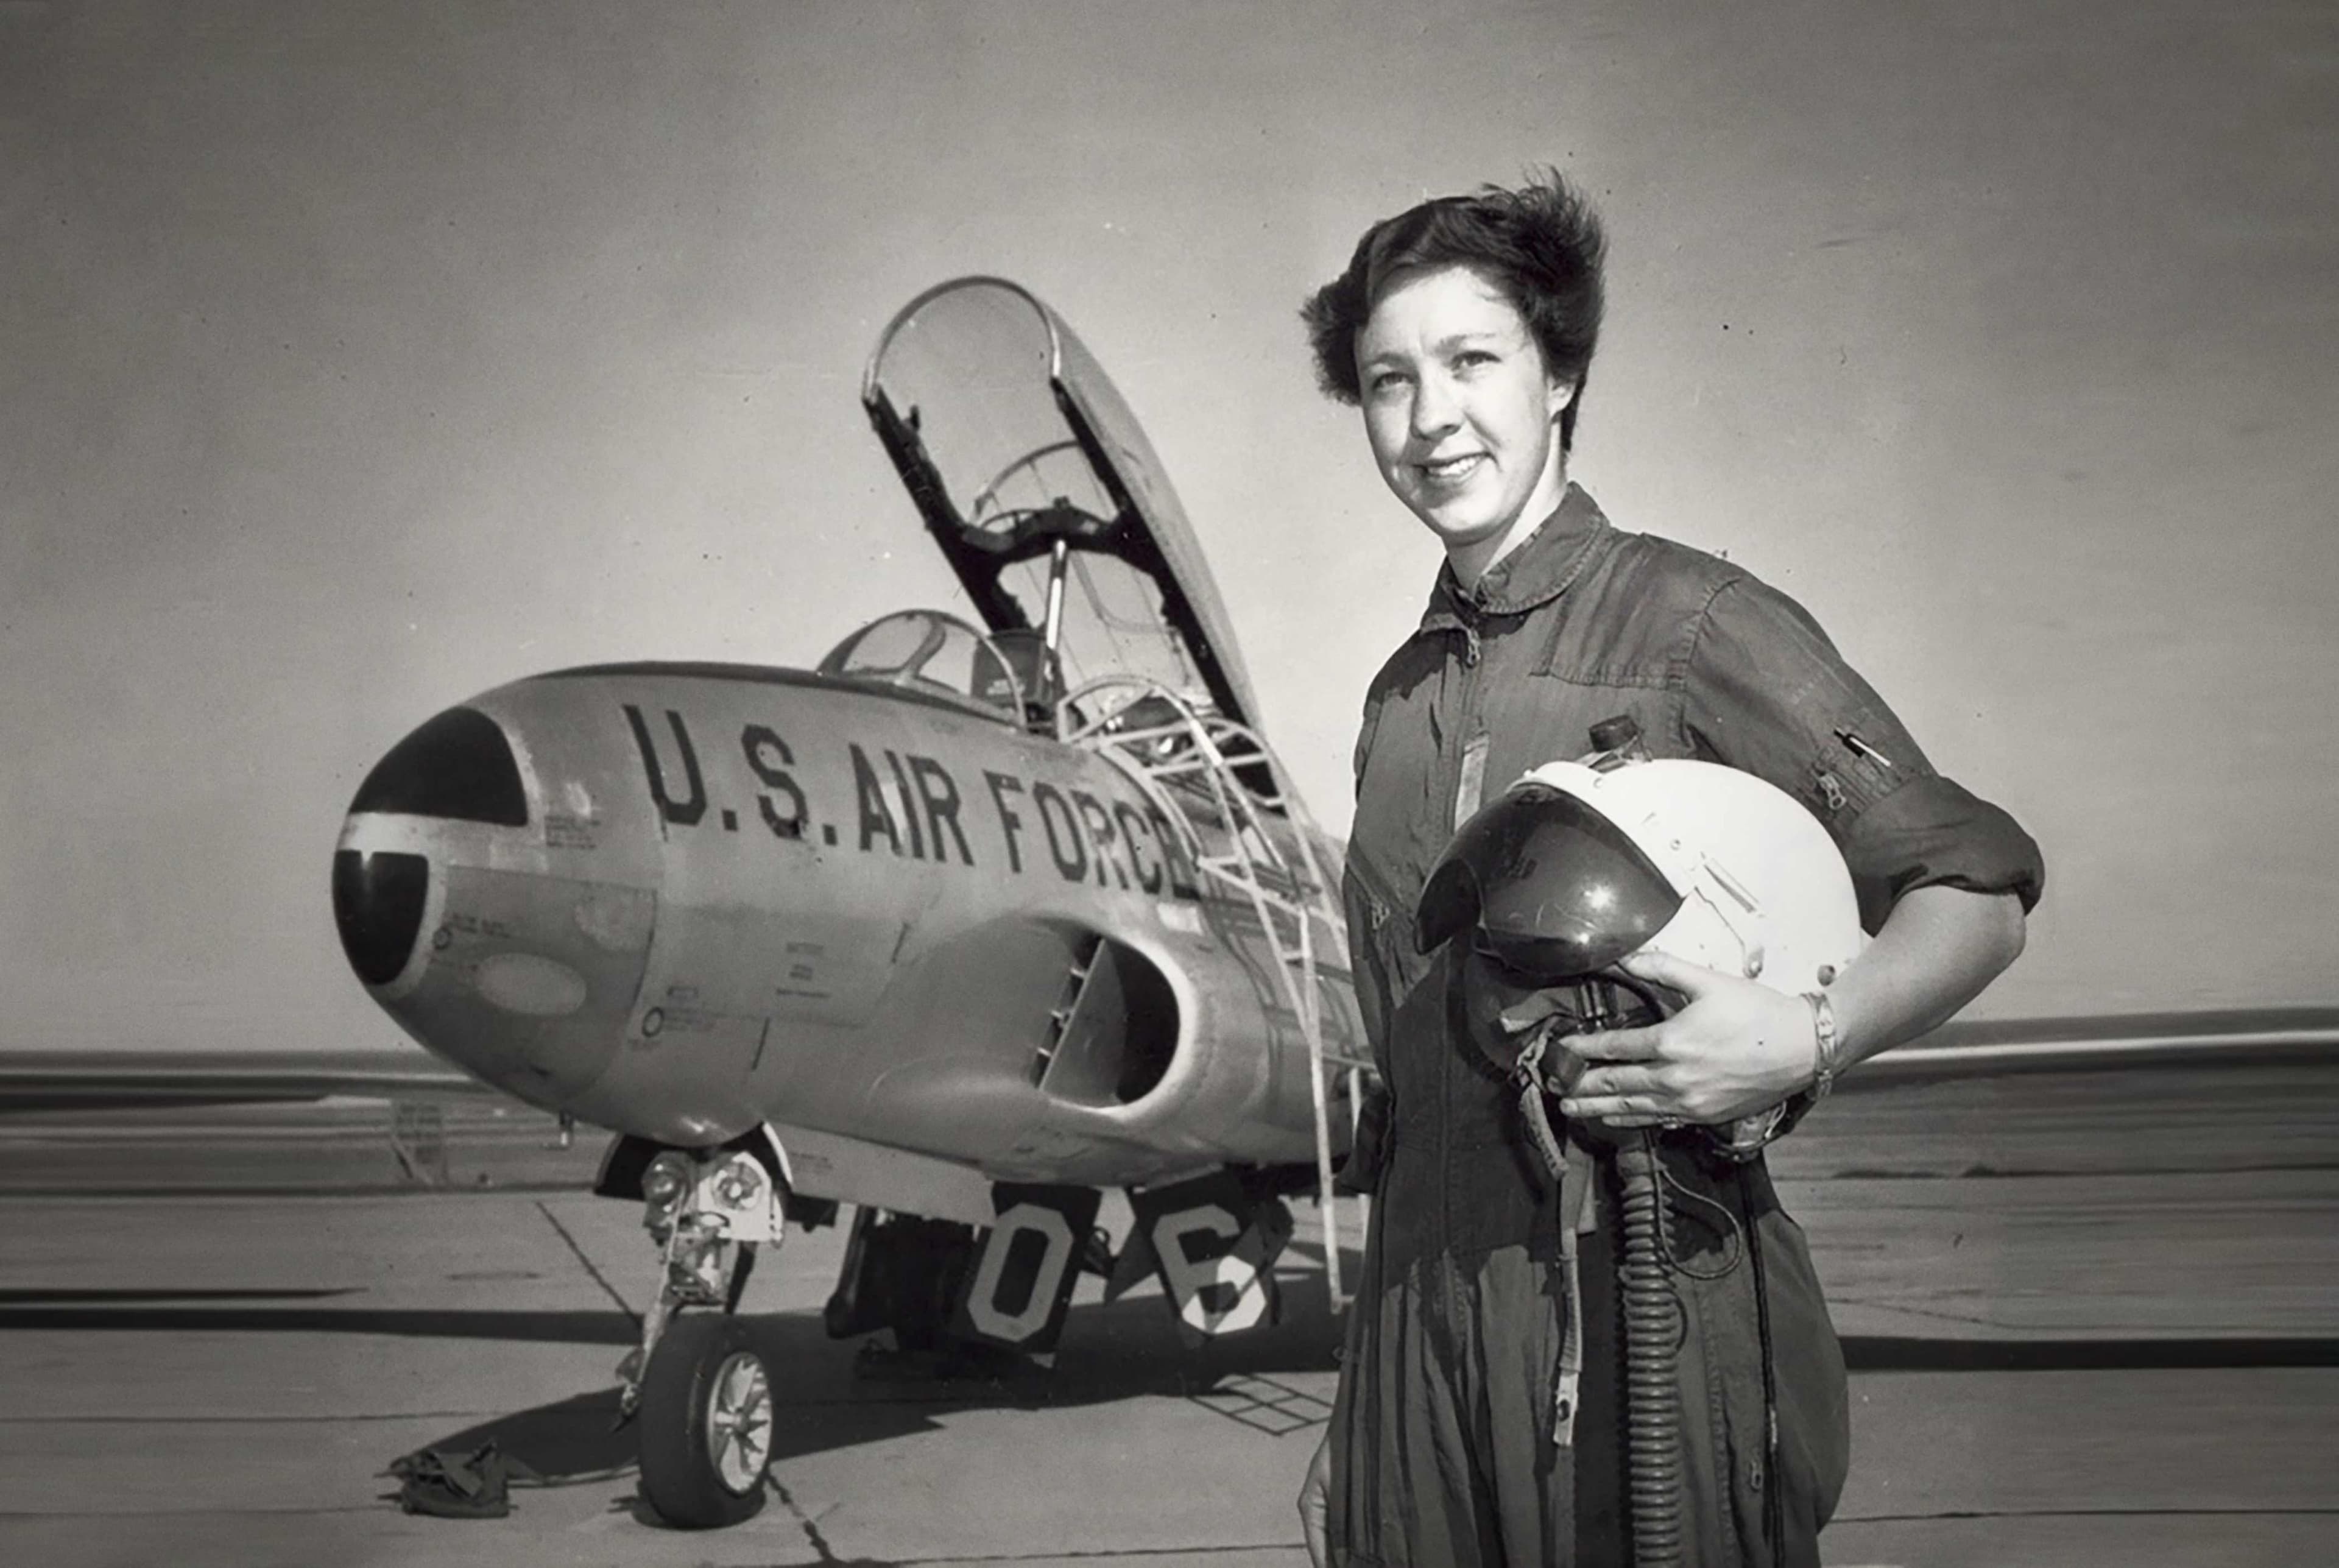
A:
[706,1424]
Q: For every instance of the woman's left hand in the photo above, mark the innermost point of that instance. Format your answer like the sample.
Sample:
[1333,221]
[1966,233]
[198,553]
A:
[1737,1048]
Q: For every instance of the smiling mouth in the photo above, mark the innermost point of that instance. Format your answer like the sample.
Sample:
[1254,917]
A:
[1446,470]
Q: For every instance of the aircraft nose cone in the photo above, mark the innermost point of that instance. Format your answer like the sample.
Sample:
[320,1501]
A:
[378,899]
[458,767]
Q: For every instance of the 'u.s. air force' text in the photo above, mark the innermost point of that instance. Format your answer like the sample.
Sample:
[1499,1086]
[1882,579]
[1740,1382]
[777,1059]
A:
[1083,838]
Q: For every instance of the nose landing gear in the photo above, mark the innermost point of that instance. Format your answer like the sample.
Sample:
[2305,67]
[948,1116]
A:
[701,1388]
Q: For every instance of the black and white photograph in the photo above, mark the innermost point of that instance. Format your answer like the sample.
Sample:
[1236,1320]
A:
[1071,783]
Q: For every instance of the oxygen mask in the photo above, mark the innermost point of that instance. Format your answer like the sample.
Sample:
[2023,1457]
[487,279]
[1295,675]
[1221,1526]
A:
[1517,1019]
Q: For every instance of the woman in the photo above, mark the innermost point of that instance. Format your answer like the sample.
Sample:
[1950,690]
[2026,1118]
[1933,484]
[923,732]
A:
[1463,329]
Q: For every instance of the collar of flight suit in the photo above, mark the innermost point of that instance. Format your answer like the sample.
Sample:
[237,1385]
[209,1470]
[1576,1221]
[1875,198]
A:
[1543,567]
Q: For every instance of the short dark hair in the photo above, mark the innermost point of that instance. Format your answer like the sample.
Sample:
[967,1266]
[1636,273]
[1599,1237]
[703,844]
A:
[1542,246]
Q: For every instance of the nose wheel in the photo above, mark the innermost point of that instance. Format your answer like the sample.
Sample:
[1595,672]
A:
[706,1424]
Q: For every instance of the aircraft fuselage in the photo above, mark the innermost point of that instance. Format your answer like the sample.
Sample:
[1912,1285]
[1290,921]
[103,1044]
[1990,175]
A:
[698,898]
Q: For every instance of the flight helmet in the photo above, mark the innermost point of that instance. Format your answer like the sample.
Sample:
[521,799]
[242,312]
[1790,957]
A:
[1577,867]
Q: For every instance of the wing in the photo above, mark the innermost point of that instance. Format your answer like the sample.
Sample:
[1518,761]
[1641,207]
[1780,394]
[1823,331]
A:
[101,1080]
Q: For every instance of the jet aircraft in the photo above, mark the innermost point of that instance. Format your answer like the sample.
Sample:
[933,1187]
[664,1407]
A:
[960,926]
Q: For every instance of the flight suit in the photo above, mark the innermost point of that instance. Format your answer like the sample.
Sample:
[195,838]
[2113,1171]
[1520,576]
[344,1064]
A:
[1447,1447]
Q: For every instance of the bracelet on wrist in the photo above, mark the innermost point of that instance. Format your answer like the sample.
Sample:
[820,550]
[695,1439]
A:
[1826,1044]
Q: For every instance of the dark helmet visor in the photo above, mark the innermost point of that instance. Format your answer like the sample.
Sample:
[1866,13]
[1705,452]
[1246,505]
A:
[1553,888]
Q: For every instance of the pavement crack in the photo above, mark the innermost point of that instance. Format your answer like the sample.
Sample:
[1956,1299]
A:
[598,1277]
[804,1520]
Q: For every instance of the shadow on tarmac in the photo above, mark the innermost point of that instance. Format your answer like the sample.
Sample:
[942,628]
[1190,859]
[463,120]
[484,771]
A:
[1108,1351]
[568,1442]
[1152,1369]
[832,1396]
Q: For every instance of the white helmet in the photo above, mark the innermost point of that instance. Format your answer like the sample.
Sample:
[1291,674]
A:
[1575,868]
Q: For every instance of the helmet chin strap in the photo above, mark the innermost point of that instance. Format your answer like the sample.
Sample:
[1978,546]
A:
[1528,1075]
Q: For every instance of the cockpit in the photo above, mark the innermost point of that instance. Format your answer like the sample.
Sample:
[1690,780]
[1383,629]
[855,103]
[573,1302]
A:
[1000,676]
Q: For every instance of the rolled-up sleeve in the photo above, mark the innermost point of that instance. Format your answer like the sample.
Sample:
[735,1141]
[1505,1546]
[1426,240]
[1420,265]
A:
[1765,690]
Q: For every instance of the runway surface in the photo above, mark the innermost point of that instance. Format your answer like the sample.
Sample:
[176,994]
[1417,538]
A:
[2092,1319]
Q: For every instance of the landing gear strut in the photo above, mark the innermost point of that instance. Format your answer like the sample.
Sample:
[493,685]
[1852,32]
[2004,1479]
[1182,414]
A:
[701,1388]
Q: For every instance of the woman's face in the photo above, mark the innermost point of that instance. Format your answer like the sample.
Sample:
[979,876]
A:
[1462,417]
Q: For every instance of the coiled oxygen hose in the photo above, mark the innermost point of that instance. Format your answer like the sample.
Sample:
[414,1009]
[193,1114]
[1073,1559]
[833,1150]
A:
[1652,1372]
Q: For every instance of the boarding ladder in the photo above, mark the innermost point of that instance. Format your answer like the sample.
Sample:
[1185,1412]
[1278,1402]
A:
[1187,760]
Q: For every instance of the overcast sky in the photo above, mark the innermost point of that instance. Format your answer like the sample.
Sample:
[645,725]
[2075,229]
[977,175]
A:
[356,358]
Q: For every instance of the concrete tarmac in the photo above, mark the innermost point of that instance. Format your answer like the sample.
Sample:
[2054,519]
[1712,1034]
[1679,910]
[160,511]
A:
[2105,1360]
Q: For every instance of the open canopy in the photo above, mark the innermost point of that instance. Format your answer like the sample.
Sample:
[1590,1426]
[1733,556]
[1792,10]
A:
[1011,439]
